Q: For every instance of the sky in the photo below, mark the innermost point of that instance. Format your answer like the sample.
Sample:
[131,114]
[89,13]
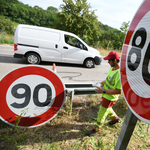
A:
[110,12]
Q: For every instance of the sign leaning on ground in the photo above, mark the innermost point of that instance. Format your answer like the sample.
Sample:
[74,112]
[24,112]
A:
[32,95]
[135,64]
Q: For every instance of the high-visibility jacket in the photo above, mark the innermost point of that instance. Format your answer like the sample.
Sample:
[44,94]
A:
[112,82]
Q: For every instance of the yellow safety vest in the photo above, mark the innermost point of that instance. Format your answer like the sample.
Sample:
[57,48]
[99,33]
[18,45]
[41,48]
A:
[112,82]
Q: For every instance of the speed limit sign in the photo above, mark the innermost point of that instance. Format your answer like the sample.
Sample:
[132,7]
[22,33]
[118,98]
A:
[135,64]
[33,93]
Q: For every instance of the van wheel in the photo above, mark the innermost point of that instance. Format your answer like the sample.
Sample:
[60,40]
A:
[89,63]
[33,58]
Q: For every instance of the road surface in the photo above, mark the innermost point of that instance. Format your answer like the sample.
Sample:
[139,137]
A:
[69,73]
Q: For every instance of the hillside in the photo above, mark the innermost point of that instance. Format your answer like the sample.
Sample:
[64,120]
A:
[14,12]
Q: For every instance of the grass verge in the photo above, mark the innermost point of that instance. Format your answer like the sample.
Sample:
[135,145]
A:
[6,38]
[66,132]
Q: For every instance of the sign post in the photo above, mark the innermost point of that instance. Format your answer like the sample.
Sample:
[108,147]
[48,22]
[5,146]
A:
[126,131]
[33,93]
[135,73]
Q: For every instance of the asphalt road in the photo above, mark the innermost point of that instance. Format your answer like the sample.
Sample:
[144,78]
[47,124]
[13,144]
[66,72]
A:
[69,73]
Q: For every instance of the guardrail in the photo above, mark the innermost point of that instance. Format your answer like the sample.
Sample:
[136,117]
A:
[81,89]
[78,89]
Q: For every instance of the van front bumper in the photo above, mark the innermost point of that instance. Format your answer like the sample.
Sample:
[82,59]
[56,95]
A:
[98,60]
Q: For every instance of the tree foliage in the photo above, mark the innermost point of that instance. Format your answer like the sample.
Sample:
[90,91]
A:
[75,16]
[53,9]
[24,14]
[6,25]
[110,38]
[124,27]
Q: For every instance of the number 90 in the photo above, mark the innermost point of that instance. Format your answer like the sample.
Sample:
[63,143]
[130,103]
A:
[27,95]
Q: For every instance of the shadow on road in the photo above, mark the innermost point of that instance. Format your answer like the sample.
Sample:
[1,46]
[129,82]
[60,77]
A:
[11,59]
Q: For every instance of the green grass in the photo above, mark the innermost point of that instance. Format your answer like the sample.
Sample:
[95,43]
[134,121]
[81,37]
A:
[6,39]
[105,52]
[66,132]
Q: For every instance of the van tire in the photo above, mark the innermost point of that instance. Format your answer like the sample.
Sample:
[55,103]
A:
[33,58]
[89,63]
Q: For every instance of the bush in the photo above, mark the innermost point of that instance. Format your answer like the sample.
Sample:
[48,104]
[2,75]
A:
[6,38]
[6,41]
[7,25]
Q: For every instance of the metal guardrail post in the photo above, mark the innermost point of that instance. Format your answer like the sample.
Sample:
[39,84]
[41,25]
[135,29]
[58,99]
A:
[70,94]
[77,89]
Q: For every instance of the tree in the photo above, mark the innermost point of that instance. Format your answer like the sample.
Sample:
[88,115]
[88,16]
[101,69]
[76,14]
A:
[77,17]
[52,9]
[124,27]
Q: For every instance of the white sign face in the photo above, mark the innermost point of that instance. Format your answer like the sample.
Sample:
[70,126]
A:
[25,94]
[32,92]
[137,56]
[135,64]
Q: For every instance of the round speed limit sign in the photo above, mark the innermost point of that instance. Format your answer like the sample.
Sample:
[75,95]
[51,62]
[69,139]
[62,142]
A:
[33,93]
[135,64]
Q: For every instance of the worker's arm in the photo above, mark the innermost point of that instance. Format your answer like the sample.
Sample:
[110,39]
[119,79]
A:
[111,92]
[102,83]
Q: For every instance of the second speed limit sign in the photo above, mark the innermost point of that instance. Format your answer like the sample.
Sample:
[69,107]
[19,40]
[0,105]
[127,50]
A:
[135,64]
[33,93]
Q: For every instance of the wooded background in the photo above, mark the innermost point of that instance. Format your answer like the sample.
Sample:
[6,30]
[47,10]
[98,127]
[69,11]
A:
[75,16]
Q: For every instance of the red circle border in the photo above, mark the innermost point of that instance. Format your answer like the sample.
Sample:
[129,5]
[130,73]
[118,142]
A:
[7,80]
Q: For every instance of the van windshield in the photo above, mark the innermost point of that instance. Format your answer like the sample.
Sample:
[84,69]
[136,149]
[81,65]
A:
[74,42]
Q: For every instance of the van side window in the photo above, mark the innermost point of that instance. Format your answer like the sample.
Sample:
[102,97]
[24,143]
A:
[67,39]
[74,42]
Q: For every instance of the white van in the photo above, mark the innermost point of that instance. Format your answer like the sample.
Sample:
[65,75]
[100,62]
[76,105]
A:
[38,44]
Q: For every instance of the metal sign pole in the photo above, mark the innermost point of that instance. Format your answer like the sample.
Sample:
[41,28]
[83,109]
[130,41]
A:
[126,130]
